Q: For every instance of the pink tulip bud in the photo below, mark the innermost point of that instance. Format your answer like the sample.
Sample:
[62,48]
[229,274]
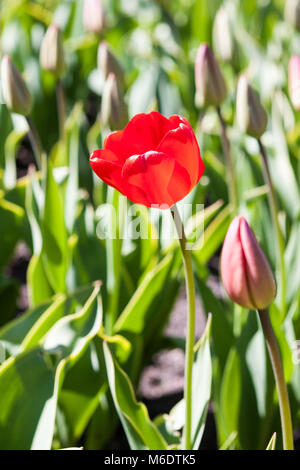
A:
[93,16]
[52,52]
[245,271]
[108,63]
[294,81]
[209,81]
[14,89]
[114,112]
[223,40]
[292,13]
[250,114]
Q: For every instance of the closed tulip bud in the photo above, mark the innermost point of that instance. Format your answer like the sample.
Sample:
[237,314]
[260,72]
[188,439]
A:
[294,81]
[14,90]
[209,81]
[222,36]
[245,271]
[114,112]
[93,16]
[108,63]
[292,13]
[52,53]
[250,115]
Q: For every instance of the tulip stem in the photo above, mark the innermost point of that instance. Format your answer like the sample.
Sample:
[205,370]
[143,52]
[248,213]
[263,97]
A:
[274,213]
[35,142]
[61,108]
[284,405]
[229,165]
[190,338]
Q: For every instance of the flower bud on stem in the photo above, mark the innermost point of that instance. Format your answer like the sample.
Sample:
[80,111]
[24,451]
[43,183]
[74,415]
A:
[274,214]
[190,339]
[52,59]
[284,406]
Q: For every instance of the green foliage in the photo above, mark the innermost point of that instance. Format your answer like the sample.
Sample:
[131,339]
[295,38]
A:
[71,371]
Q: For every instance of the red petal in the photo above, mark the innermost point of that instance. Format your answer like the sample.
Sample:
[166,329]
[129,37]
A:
[151,173]
[181,144]
[175,120]
[107,166]
[180,183]
[113,142]
[144,133]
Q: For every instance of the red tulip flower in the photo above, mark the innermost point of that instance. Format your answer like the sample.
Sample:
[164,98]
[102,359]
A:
[153,161]
[245,271]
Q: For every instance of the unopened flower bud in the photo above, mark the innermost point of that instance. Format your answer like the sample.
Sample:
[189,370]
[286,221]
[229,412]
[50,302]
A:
[114,113]
[52,53]
[93,16]
[294,81]
[108,63]
[250,114]
[14,90]
[222,36]
[245,271]
[210,84]
[292,13]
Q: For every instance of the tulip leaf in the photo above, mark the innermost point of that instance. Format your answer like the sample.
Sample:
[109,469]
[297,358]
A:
[54,251]
[30,382]
[11,218]
[27,387]
[102,425]
[256,361]
[272,442]
[280,164]
[44,323]
[79,397]
[134,316]
[5,128]
[141,432]
[163,424]
[202,378]
[230,395]
[14,332]
[213,236]
[12,143]
[221,327]
[39,288]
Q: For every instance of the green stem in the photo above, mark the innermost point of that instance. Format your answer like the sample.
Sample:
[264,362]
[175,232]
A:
[284,405]
[274,214]
[35,142]
[229,165]
[61,108]
[190,338]
[113,252]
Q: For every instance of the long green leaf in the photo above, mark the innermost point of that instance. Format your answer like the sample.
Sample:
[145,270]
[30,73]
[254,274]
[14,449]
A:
[140,430]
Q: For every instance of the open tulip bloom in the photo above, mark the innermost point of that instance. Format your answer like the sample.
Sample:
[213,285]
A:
[153,161]
[156,161]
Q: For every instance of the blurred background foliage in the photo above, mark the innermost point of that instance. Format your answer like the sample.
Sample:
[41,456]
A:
[58,382]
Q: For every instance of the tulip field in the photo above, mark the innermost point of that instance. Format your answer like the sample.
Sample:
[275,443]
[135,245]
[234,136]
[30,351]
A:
[150,226]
